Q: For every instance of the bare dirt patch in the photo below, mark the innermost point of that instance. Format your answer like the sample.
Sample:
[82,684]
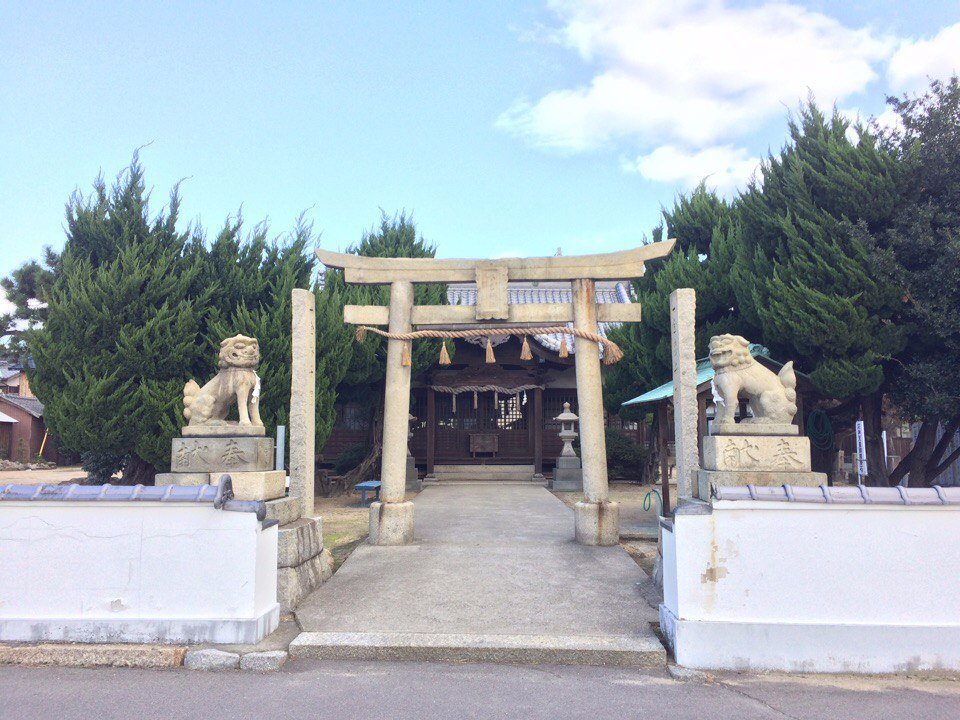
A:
[56,476]
[345,523]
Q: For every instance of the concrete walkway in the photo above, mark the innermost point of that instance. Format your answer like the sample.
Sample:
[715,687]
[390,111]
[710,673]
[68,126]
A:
[494,576]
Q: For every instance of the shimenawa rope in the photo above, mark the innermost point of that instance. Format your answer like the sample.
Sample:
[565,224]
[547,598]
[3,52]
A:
[611,351]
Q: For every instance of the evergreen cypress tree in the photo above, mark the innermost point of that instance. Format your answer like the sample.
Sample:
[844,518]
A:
[920,256]
[705,228]
[806,280]
[121,330]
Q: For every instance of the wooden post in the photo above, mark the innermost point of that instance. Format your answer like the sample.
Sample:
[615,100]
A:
[431,429]
[662,452]
[537,431]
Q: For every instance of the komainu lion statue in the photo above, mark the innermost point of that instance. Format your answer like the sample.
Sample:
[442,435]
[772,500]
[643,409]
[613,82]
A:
[236,383]
[773,398]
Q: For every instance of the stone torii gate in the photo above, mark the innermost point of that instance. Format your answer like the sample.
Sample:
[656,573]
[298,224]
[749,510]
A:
[597,518]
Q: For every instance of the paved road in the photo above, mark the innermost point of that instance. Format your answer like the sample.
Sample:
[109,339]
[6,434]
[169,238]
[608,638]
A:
[420,691]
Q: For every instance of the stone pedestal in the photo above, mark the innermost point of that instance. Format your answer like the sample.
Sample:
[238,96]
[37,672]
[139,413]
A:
[567,475]
[597,523]
[224,429]
[197,478]
[221,454]
[302,562]
[203,459]
[414,484]
[769,455]
[267,485]
[284,510]
[391,523]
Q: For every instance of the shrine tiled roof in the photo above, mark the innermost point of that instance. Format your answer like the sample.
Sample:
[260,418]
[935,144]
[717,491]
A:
[546,293]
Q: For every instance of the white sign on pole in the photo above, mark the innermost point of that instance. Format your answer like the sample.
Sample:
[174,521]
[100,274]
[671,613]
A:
[861,450]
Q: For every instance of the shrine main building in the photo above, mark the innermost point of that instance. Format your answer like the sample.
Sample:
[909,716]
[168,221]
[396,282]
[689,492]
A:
[499,415]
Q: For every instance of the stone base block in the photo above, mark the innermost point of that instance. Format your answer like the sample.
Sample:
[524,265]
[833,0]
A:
[268,485]
[220,454]
[597,523]
[295,583]
[299,541]
[413,479]
[567,480]
[753,428]
[164,479]
[761,478]
[391,523]
[756,453]
[284,510]
[224,429]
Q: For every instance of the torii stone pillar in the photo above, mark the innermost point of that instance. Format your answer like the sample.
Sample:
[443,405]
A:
[683,325]
[597,519]
[303,404]
[391,519]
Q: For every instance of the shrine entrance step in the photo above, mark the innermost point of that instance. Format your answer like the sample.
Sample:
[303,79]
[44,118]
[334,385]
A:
[483,473]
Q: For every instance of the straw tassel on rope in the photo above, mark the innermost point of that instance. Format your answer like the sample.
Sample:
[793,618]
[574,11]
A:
[405,353]
[444,355]
[490,356]
[563,347]
[525,353]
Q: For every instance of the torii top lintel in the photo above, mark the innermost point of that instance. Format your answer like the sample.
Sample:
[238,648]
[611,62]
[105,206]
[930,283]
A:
[623,265]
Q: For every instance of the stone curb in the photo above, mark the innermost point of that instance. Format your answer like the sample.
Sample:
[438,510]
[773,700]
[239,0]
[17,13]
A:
[93,655]
[211,659]
[614,651]
[267,661]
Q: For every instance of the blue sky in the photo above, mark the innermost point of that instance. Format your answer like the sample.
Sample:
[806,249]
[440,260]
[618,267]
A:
[505,128]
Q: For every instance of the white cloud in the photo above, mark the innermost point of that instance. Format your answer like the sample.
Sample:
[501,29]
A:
[917,60]
[688,81]
[694,72]
[725,168]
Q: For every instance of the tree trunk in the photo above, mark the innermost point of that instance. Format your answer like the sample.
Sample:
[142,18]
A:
[138,472]
[878,475]
[937,463]
[367,465]
[917,461]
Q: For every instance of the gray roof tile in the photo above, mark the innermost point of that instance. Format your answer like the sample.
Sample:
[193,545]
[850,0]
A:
[842,495]
[29,404]
[220,496]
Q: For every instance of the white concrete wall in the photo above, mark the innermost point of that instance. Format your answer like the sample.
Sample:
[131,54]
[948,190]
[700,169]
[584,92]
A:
[135,572]
[814,587]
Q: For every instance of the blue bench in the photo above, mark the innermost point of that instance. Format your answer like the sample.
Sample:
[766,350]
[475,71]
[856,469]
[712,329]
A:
[365,487]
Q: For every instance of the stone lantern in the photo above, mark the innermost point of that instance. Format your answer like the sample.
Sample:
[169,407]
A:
[567,473]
